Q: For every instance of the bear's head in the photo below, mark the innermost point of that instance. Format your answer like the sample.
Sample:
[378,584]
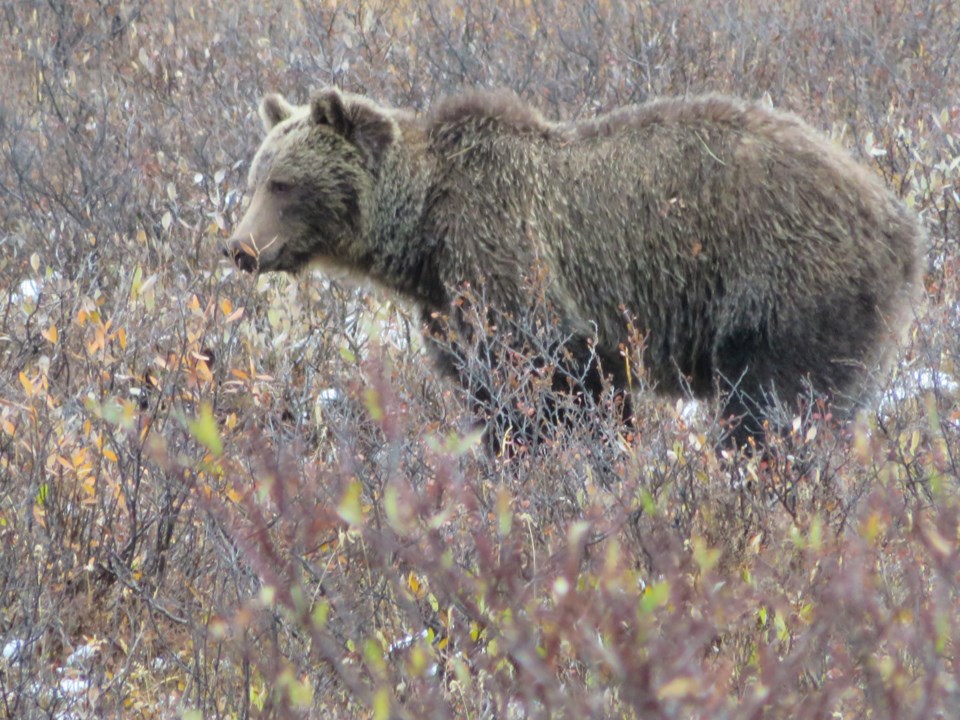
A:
[313,181]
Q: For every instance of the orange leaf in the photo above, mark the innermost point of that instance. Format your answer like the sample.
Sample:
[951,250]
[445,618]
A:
[235,315]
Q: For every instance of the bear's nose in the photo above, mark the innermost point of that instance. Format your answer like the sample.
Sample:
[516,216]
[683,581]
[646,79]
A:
[238,252]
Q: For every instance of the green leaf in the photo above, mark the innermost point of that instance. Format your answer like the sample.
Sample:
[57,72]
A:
[456,444]
[780,623]
[204,430]
[136,283]
[504,513]
[268,594]
[274,317]
[381,704]
[301,693]
[647,502]
[320,613]
[349,507]
[373,655]
[705,556]
[391,506]
[372,400]
[815,535]
[655,596]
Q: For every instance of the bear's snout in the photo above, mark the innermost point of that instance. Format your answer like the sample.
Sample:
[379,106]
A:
[241,256]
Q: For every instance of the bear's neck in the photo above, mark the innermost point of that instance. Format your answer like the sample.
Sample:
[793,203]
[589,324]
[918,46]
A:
[402,256]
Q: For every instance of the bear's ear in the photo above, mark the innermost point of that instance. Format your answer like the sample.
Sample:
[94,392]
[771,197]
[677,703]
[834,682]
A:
[358,120]
[274,110]
[326,108]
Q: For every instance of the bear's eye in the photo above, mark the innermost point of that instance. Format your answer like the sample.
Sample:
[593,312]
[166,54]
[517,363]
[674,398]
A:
[279,186]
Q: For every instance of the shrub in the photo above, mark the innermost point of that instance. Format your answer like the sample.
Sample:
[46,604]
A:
[221,497]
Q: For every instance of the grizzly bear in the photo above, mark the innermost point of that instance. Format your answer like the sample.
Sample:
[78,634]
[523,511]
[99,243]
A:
[757,258]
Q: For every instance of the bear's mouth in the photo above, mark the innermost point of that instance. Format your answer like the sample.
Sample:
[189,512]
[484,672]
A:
[242,257]
[248,260]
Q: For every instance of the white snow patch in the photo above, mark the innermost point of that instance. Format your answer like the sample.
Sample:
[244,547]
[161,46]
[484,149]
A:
[328,396]
[13,650]
[29,290]
[74,685]
[406,642]
[82,655]
[689,410]
[911,385]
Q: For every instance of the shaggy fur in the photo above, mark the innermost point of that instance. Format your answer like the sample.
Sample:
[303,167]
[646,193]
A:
[753,253]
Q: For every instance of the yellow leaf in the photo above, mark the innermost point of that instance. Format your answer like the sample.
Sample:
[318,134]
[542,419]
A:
[871,528]
[25,381]
[203,371]
[97,343]
[110,454]
[51,334]
[677,688]
[79,458]
[39,515]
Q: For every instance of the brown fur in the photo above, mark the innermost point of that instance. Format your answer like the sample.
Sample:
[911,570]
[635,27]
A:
[754,253]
